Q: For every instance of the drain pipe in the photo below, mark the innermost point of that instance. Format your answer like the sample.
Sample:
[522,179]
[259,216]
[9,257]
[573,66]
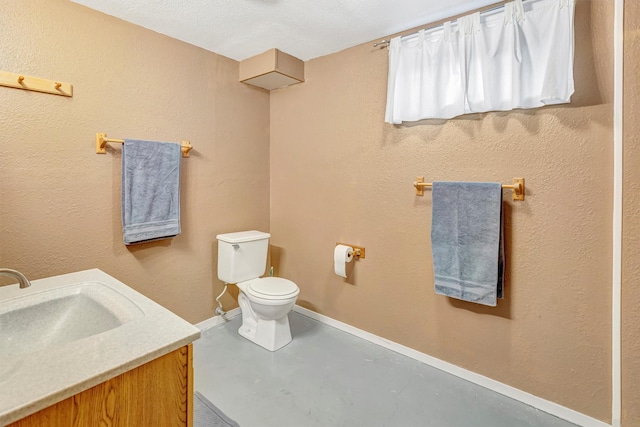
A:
[219,311]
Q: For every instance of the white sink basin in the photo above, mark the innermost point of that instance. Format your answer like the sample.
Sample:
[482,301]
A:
[61,315]
[64,334]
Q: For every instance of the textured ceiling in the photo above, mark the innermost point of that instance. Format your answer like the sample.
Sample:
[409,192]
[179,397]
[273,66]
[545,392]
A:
[306,29]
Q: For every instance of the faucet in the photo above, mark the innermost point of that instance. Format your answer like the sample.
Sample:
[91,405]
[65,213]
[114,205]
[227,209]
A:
[22,279]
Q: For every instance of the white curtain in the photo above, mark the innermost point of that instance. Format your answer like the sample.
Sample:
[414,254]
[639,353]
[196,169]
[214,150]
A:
[518,57]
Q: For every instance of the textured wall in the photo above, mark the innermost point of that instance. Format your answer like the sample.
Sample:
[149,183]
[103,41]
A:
[631,221]
[339,174]
[60,201]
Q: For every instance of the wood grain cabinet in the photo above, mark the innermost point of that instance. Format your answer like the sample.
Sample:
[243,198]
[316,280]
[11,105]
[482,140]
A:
[158,393]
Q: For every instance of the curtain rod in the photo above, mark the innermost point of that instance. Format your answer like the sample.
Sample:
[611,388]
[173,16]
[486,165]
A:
[429,26]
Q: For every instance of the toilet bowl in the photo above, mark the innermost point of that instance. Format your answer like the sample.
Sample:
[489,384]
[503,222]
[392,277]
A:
[265,304]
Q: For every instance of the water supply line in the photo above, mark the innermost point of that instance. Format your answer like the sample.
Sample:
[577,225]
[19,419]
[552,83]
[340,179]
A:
[219,311]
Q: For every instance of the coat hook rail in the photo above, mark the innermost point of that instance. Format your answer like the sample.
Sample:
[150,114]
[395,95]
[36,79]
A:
[36,84]
[102,141]
[517,187]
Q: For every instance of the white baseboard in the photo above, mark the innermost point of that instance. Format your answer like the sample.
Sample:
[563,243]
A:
[217,320]
[486,382]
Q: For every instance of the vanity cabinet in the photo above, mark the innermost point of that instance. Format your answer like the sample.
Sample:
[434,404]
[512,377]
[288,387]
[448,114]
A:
[158,393]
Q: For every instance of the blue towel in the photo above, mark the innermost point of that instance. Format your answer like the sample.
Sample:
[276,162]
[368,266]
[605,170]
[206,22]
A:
[150,190]
[466,239]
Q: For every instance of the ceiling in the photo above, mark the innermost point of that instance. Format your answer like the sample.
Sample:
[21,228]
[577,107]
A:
[306,29]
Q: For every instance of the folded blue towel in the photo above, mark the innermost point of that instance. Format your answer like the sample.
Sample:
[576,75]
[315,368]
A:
[466,240]
[150,190]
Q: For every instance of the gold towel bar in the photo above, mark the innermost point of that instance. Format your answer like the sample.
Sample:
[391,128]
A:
[102,141]
[517,187]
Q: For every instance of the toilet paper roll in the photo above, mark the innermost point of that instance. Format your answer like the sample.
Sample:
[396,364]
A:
[341,256]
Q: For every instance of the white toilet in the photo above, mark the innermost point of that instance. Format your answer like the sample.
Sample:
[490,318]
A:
[264,302]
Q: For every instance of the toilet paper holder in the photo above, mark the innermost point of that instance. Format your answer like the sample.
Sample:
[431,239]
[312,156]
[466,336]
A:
[358,251]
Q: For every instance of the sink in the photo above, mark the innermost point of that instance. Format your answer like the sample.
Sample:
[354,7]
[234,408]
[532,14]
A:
[61,315]
[65,334]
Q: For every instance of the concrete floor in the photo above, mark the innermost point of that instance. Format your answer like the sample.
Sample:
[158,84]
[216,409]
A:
[329,378]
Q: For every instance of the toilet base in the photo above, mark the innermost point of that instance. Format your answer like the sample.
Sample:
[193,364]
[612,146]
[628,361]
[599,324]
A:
[270,334]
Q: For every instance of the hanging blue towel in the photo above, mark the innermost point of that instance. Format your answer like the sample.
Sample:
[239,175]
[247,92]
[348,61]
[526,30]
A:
[150,190]
[466,240]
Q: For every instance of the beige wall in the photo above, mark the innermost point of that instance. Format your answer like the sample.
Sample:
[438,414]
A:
[60,201]
[631,220]
[339,174]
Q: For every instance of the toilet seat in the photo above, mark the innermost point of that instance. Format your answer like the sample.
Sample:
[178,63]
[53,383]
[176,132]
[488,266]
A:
[272,288]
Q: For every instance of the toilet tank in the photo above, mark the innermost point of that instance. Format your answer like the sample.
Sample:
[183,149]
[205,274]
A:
[242,256]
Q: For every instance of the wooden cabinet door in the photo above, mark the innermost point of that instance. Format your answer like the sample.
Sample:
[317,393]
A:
[158,393]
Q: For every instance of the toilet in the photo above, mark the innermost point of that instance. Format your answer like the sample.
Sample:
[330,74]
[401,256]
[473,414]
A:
[264,301]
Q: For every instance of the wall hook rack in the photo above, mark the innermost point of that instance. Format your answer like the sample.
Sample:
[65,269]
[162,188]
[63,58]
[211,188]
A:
[36,84]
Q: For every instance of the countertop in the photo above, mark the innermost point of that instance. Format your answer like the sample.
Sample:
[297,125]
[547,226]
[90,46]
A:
[44,377]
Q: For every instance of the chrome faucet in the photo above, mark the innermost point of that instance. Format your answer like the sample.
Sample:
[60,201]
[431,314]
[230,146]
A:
[24,282]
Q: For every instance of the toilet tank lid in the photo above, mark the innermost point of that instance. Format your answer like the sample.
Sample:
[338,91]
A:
[243,236]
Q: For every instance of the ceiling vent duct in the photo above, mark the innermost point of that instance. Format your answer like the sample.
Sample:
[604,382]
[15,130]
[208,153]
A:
[272,70]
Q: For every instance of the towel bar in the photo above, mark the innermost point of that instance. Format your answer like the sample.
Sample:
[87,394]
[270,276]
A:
[102,141]
[517,187]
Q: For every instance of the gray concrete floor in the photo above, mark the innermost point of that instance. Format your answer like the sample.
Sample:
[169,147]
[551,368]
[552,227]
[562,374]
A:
[329,378]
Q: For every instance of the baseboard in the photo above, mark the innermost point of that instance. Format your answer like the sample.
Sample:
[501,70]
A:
[217,320]
[486,382]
